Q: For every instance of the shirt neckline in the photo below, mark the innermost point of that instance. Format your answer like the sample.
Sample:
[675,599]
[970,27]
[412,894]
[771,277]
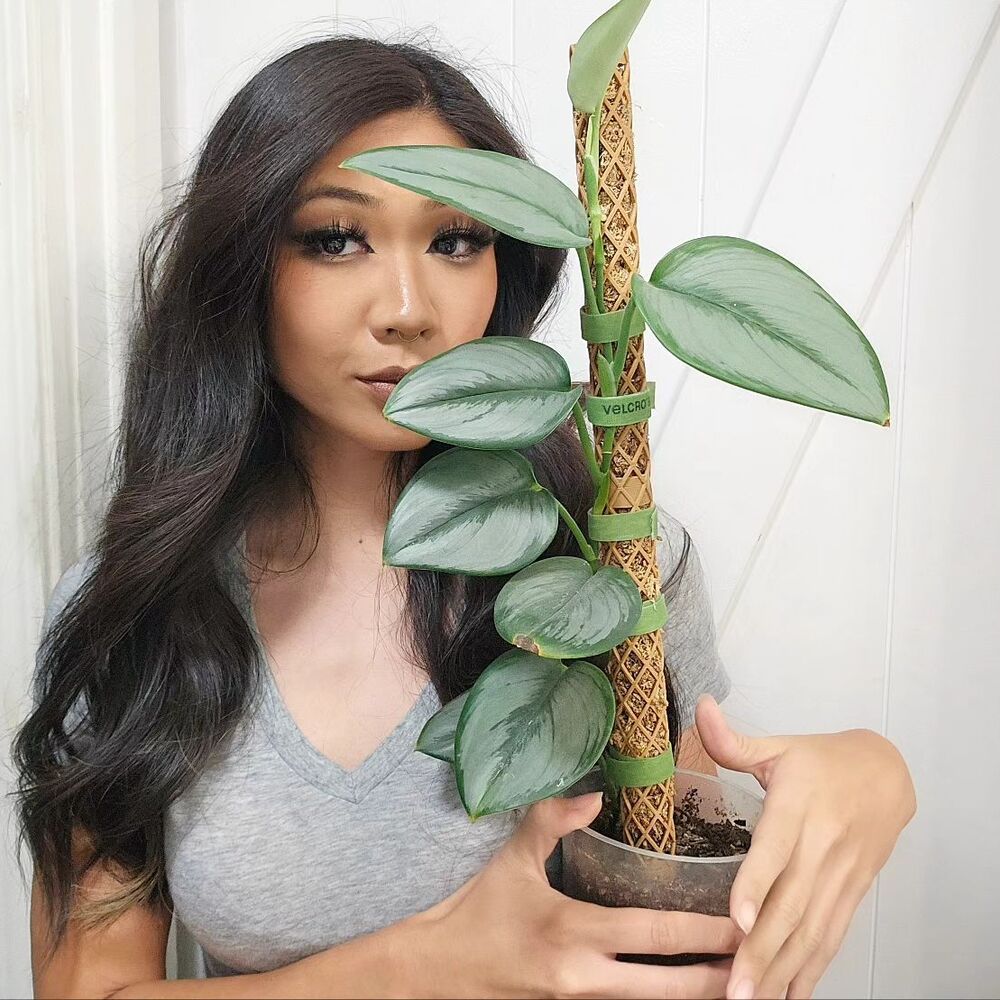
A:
[352,784]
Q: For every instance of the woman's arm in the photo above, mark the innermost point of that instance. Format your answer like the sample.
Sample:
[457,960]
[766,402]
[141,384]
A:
[834,807]
[504,933]
[92,963]
[373,965]
[127,958]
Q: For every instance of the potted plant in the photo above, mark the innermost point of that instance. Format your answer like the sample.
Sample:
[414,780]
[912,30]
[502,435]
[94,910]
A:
[543,719]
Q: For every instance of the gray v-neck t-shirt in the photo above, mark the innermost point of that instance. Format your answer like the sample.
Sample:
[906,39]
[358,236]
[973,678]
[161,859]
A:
[276,852]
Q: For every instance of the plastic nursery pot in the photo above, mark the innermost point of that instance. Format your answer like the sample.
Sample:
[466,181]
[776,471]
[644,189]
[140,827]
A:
[599,869]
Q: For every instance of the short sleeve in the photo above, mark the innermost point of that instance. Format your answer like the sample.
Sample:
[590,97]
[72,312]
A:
[68,584]
[689,636]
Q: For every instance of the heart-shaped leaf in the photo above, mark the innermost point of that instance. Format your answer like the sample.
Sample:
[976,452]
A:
[741,313]
[559,608]
[437,738]
[510,194]
[481,513]
[530,727]
[490,393]
[597,53]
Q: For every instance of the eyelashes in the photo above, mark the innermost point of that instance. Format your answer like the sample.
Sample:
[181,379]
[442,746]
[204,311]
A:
[327,242]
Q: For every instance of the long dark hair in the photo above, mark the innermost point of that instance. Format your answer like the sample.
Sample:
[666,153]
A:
[152,643]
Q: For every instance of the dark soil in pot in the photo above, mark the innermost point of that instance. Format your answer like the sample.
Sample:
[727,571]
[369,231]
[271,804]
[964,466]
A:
[604,875]
[696,837]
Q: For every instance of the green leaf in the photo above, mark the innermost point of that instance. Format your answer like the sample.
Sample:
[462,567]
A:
[606,375]
[506,192]
[597,53]
[437,738]
[741,313]
[531,727]
[481,513]
[490,393]
[559,607]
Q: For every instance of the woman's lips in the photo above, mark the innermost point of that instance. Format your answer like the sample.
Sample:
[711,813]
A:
[381,390]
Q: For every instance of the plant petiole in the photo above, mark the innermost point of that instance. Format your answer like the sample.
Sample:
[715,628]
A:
[588,553]
[588,284]
[590,179]
[621,348]
[586,444]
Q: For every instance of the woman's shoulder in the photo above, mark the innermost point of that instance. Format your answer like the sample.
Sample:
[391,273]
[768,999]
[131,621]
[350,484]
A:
[690,638]
[70,581]
[675,549]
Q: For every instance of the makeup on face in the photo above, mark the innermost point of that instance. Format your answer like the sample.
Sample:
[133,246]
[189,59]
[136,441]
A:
[372,276]
[455,239]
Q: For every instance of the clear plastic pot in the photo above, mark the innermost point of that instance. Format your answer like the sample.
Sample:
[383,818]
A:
[598,869]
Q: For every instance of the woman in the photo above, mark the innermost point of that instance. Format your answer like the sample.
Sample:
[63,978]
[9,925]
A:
[230,684]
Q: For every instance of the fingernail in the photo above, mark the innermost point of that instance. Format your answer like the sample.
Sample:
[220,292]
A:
[746,916]
[744,990]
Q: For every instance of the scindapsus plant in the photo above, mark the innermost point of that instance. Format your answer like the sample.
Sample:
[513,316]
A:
[542,715]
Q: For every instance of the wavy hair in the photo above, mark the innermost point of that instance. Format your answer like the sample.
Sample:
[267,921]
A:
[153,645]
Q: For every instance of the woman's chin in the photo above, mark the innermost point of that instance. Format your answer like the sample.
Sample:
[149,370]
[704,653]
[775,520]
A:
[403,439]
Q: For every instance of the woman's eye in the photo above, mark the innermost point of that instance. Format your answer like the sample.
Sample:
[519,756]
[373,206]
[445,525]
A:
[332,243]
[475,238]
[329,243]
[450,240]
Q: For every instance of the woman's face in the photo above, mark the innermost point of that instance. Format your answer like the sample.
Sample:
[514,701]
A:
[351,278]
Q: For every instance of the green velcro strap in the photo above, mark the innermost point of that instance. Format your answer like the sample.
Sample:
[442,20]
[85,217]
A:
[603,328]
[636,772]
[622,526]
[653,617]
[617,411]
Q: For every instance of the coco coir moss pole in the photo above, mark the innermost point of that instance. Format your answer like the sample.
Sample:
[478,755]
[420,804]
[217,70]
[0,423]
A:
[636,666]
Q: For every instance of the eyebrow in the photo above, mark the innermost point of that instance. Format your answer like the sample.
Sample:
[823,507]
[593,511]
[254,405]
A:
[355,196]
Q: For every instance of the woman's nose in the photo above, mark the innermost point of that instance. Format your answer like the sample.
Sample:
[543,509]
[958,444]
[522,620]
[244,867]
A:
[402,302]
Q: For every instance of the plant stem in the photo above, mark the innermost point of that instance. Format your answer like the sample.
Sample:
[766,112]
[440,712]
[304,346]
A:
[605,487]
[588,285]
[586,444]
[588,553]
[621,348]
[595,301]
[608,386]
[590,166]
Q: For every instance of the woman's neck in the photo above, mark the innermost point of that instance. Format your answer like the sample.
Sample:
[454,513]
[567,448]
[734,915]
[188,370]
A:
[349,483]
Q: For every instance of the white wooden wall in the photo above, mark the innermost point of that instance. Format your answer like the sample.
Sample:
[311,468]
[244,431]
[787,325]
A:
[854,569]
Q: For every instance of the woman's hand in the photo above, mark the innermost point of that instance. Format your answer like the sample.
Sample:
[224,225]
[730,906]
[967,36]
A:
[507,933]
[834,807]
